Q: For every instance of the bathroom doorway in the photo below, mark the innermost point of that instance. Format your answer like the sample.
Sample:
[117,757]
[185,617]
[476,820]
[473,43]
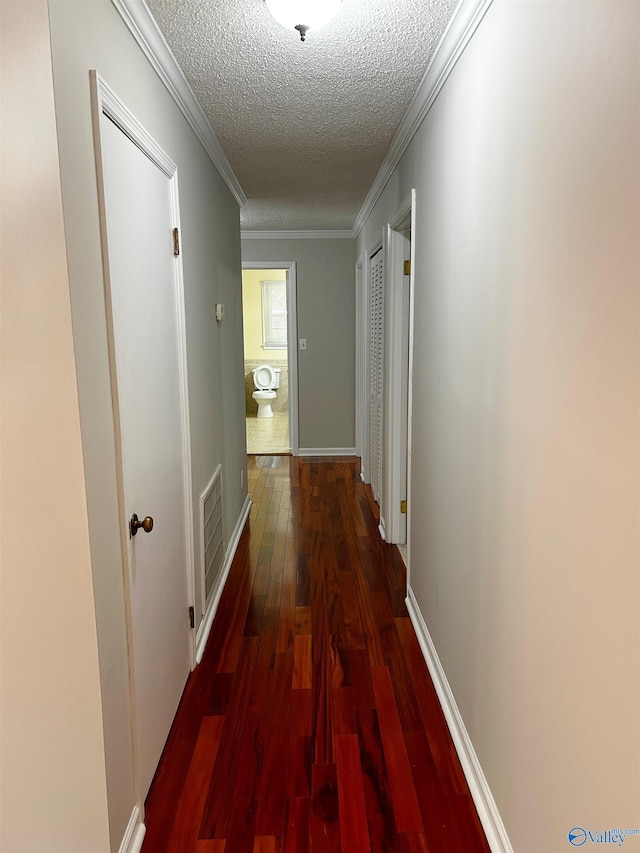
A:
[269,324]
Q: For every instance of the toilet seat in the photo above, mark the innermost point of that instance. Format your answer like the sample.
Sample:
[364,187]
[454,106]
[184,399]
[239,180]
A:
[264,377]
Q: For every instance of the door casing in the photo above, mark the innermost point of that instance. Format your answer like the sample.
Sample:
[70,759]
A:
[361,363]
[398,368]
[292,340]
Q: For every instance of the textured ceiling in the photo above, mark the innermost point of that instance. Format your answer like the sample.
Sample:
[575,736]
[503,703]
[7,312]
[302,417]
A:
[304,126]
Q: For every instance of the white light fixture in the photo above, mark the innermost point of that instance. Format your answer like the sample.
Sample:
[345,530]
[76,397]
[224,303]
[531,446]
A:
[303,15]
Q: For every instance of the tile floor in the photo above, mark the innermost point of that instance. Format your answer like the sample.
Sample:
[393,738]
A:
[268,435]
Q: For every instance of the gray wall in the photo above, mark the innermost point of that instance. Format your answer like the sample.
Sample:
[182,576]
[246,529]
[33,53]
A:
[326,317]
[524,500]
[91,35]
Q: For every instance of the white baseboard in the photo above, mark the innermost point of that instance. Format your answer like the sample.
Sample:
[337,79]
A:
[297,235]
[478,785]
[134,833]
[205,626]
[381,529]
[327,451]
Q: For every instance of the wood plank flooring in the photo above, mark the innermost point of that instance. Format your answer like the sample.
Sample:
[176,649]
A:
[312,724]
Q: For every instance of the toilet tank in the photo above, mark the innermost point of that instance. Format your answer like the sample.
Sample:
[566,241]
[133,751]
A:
[276,371]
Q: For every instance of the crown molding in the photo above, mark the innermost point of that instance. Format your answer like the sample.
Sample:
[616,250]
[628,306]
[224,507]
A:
[298,235]
[451,47]
[142,26]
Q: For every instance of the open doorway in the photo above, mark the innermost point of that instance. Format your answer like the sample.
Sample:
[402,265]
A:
[270,374]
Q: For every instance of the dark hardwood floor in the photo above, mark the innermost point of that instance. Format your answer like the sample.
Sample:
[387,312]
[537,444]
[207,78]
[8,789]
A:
[312,723]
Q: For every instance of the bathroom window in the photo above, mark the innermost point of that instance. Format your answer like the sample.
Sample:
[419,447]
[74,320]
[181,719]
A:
[274,314]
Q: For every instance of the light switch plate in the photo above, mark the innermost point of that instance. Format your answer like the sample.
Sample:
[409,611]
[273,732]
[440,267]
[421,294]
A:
[303,343]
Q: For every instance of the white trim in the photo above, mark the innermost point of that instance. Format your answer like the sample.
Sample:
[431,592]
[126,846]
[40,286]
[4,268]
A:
[144,29]
[412,293]
[451,47]
[205,626]
[133,834]
[186,418]
[327,451]
[292,338]
[382,529]
[111,105]
[297,235]
[480,791]
[360,366]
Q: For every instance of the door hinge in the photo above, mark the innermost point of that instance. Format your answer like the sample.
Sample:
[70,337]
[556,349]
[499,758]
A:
[192,617]
[407,267]
[403,507]
[176,242]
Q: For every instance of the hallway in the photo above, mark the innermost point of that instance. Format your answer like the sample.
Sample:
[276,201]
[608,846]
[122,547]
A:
[312,723]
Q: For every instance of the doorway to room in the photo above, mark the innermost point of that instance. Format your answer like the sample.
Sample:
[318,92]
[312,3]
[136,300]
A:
[270,371]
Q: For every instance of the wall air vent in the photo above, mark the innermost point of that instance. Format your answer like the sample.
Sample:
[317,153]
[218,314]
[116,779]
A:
[211,538]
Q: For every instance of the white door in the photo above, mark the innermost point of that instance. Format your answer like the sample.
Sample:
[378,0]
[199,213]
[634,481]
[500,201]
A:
[398,277]
[140,212]
[405,309]
[376,373]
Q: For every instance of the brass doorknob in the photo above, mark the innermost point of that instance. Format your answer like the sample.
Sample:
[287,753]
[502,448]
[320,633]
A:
[135,524]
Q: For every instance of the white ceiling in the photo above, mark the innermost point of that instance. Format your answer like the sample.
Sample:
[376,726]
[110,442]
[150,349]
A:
[304,126]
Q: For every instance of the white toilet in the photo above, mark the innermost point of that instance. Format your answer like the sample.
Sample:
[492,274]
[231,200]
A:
[266,379]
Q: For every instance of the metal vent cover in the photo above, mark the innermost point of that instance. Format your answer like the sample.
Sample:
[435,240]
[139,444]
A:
[211,535]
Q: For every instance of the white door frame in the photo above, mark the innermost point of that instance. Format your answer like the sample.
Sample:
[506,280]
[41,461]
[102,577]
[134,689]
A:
[361,338]
[398,374]
[104,101]
[292,339]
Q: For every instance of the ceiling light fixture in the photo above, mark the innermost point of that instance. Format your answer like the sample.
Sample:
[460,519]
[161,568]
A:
[303,15]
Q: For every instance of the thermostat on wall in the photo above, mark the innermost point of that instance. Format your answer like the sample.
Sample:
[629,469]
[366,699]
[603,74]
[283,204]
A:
[219,312]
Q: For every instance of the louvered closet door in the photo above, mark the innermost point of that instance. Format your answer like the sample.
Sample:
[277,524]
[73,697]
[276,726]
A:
[376,368]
